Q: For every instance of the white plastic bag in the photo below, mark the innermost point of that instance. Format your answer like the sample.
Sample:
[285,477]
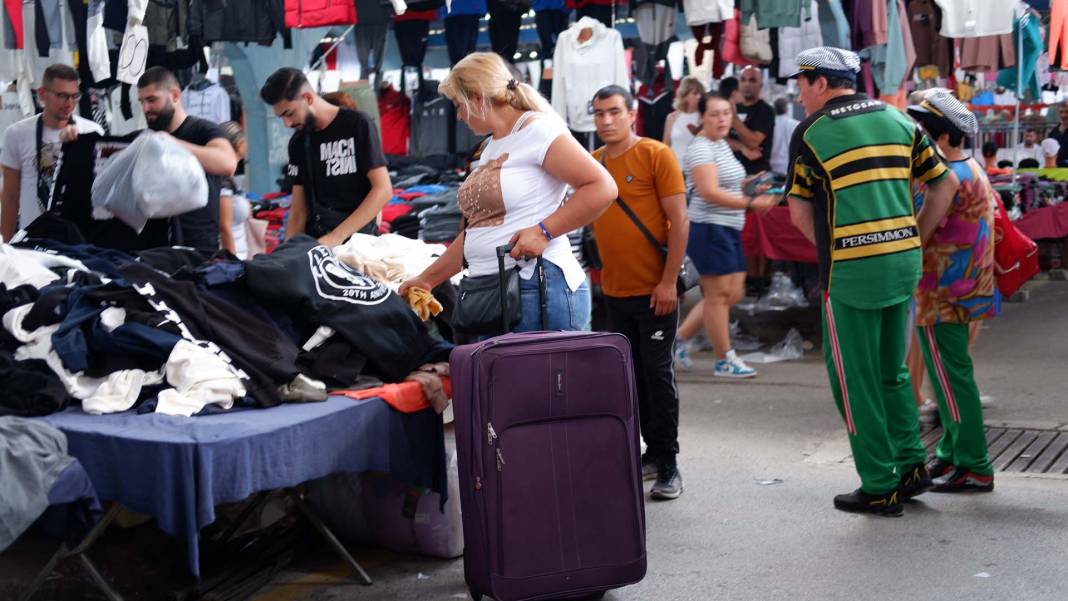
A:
[155,177]
[790,348]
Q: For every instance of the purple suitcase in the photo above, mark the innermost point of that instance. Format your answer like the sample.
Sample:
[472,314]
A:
[549,465]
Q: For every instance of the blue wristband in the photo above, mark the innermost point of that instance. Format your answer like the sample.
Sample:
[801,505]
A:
[545,231]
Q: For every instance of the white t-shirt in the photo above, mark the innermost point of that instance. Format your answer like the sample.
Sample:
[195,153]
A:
[527,195]
[681,136]
[240,211]
[17,152]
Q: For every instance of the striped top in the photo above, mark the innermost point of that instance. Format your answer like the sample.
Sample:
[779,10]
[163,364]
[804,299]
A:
[703,151]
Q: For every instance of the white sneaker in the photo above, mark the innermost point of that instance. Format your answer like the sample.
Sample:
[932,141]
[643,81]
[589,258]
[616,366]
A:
[928,412]
[683,362]
[986,400]
[733,367]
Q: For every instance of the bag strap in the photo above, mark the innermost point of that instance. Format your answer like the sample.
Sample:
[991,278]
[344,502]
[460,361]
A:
[634,217]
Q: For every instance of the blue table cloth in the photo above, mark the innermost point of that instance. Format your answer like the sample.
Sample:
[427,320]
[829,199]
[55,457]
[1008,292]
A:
[73,507]
[178,469]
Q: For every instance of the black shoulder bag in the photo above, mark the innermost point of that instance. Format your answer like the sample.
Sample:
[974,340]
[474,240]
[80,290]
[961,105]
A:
[688,275]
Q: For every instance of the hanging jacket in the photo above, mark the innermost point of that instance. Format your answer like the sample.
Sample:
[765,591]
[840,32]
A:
[319,13]
[580,69]
[700,12]
[236,20]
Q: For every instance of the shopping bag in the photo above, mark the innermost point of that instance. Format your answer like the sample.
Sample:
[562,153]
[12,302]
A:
[1015,255]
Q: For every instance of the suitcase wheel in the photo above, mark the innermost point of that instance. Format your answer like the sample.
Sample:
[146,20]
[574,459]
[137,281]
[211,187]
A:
[476,595]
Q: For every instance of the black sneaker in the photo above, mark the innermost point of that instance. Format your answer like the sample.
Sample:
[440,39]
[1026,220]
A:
[915,481]
[649,469]
[859,501]
[962,480]
[936,468]
[668,483]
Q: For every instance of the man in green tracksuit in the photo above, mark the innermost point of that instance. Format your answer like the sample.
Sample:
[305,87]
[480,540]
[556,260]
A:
[853,161]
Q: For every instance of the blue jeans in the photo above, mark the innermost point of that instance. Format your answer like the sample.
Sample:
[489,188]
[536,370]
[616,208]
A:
[566,310]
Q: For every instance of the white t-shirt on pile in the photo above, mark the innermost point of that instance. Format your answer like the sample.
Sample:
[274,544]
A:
[17,152]
[530,194]
[703,151]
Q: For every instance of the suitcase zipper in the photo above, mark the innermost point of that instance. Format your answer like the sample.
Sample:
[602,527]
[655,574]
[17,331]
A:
[500,460]
[491,435]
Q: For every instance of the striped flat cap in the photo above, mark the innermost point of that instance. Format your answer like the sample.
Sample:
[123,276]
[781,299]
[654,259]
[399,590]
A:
[826,60]
[942,104]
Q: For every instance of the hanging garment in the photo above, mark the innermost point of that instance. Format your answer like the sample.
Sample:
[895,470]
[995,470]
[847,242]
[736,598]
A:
[774,13]
[1032,48]
[1058,32]
[412,30]
[931,47]
[655,22]
[976,18]
[322,13]
[395,112]
[792,40]
[503,27]
[755,43]
[732,52]
[209,102]
[13,10]
[371,47]
[653,109]
[430,117]
[550,23]
[461,36]
[701,12]
[582,68]
[257,21]
[834,25]
[988,53]
[708,38]
[890,62]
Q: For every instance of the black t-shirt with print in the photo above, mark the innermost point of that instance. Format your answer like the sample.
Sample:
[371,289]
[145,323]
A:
[341,155]
[200,228]
[759,117]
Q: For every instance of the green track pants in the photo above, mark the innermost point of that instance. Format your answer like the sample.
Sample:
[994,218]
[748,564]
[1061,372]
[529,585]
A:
[949,367]
[865,354]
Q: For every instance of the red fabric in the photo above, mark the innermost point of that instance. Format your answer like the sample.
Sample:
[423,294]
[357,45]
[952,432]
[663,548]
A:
[714,31]
[395,111]
[273,215]
[774,236]
[1016,255]
[417,15]
[406,397]
[319,13]
[391,212]
[1045,223]
[408,195]
[14,12]
[732,31]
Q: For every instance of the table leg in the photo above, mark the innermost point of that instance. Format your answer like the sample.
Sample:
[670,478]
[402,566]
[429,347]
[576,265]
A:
[63,552]
[329,536]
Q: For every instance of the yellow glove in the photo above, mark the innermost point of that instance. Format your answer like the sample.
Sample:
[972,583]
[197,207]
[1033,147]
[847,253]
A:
[423,303]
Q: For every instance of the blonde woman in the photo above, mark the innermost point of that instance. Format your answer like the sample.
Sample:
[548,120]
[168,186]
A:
[515,193]
[683,123]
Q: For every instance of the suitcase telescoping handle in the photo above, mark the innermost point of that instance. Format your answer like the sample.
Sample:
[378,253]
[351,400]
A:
[503,251]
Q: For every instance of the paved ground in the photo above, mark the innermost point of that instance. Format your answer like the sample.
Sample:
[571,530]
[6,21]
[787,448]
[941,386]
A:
[730,537]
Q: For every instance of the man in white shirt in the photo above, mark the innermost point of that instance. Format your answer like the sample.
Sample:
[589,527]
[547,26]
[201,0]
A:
[780,140]
[31,150]
[1029,149]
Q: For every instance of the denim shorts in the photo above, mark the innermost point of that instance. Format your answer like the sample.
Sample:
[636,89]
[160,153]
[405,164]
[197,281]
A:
[715,249]
[566,310]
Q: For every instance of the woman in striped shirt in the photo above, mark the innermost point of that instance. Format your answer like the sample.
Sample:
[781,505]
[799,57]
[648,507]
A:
[717,207]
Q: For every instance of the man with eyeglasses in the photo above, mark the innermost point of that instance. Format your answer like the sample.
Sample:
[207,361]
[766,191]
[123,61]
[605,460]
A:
[31,150]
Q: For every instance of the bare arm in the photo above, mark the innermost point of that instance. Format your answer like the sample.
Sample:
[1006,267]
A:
[9,203]
[668,125]
[378,197]
[803,217]
[936,204]
[706,181]
[298,213]
[594,192]
[226,224]
[217,157]
[678,235]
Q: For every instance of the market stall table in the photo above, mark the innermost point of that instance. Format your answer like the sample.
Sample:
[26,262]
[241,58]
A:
[773,235]
[178,469]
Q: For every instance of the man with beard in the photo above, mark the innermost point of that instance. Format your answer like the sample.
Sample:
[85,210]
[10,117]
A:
[161,99]
[340,179]
[32,150]
[754,123]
